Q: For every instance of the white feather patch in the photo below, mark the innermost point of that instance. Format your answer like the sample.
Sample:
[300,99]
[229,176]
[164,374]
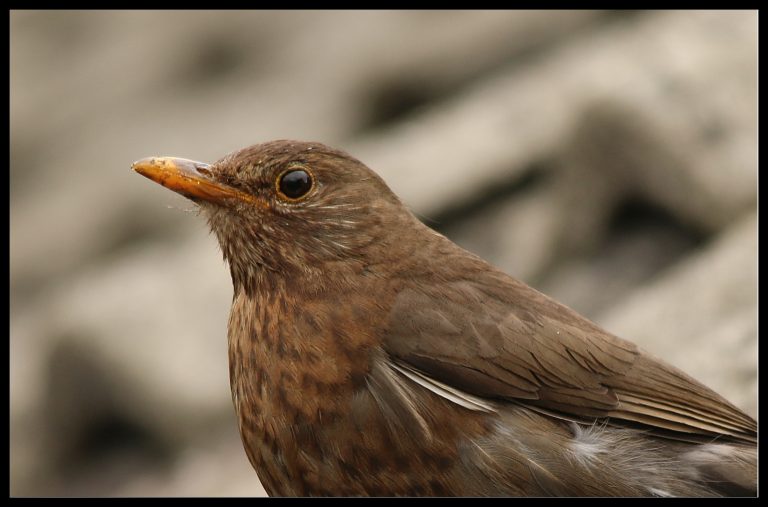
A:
[445,391]
[660,492]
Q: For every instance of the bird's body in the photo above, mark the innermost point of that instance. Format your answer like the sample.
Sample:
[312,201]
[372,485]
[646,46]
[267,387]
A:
[370,355]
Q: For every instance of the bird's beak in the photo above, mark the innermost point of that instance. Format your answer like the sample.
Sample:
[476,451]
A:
[189,178]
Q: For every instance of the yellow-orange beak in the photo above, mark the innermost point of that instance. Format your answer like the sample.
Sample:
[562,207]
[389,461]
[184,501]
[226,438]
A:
[189,178]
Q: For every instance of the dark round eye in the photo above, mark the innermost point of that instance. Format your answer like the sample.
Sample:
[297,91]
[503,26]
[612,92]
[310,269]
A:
[295,183]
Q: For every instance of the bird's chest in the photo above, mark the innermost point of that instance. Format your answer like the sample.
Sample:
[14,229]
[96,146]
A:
[293,373]
[316,414]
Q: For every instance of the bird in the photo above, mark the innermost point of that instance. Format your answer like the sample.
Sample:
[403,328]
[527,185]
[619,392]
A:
[370,355]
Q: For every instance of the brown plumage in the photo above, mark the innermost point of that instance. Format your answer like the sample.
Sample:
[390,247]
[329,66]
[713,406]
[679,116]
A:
[370,355]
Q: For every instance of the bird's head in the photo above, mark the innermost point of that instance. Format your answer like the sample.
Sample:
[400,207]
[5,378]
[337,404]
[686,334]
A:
[289,209]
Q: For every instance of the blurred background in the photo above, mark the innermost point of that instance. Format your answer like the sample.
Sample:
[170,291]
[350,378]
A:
[606,158]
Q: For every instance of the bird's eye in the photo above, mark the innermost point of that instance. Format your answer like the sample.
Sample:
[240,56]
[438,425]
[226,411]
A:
[294,183]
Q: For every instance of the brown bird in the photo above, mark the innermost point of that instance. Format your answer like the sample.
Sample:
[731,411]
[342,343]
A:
[370,355]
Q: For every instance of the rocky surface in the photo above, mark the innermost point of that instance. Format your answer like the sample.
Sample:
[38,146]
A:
[608,159]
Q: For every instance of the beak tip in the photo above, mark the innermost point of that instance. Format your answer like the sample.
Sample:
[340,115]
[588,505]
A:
[142,166]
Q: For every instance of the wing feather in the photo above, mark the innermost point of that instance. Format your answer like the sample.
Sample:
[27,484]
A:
[497,338]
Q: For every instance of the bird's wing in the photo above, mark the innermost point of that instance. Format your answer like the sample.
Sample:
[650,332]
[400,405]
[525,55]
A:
[497,338]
